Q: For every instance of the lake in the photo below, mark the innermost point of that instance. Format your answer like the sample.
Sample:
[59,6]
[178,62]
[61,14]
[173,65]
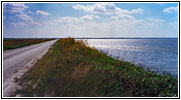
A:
[160,55]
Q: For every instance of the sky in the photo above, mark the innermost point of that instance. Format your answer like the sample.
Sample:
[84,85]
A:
[57,20]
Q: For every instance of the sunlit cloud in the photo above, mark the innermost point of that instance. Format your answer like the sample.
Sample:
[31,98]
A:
[170,9]
[105,8]
[42,13]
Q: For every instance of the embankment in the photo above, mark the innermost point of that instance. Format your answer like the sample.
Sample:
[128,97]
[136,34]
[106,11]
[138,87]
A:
[73,69]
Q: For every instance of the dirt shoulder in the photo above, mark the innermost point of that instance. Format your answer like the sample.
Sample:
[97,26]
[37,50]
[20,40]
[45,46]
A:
[15,65]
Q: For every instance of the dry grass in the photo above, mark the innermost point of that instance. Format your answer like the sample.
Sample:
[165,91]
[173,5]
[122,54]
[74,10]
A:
[73,69]
[17,43]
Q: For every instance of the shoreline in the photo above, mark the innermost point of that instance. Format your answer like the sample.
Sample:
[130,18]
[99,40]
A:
[72,68]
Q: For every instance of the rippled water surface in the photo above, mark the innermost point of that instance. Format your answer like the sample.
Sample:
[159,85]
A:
[156,54]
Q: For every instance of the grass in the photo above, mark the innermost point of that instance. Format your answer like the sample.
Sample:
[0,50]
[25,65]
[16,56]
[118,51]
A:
[17,43]
[73,69]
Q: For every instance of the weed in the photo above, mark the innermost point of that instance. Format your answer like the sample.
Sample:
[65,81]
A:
[73,69]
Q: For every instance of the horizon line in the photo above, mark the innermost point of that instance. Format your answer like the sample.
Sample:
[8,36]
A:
[98,38]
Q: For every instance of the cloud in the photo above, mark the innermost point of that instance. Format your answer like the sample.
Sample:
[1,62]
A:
[89,17]
[18,9]
[101,20]
[106,9]
[19,24]
[68,20]
[14,7]
[24,17]
[42,13]
[119,17]
[170,9]
[155,20]
[87,26]
[135,11]
[30,12]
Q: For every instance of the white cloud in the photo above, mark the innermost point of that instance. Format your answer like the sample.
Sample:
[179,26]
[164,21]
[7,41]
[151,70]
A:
[26,24]
[35,23]
[69,20]
[18,9]
[102,20]
[19,24]
[155,20]
[87,17]
[24,17]
[90,17]
[106,9]
[170,9]
[14,7]
[119,17]
[30,12]
[135,11]
[87,27]
[42,13]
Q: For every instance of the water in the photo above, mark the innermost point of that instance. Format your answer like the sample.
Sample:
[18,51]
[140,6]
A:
[159,55]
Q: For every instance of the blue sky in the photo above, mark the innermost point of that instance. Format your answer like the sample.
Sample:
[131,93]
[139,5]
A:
[53,20]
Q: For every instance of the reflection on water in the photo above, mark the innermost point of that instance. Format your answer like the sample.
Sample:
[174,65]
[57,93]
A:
[156,54]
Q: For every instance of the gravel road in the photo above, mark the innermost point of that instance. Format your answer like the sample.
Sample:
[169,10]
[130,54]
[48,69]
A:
[17,59]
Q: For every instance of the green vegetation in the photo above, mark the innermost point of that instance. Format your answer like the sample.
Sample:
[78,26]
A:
[17,43]
[72,68]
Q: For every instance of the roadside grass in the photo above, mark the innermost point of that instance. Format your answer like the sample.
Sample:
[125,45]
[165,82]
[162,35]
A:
[73,69]
[17,43]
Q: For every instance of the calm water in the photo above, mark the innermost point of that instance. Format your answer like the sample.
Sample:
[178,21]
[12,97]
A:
[156,54]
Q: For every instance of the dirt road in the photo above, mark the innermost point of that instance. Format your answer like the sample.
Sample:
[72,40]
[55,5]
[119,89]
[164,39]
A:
[16,62]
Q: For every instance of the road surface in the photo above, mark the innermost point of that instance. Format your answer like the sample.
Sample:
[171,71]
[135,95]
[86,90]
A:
[14,60]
